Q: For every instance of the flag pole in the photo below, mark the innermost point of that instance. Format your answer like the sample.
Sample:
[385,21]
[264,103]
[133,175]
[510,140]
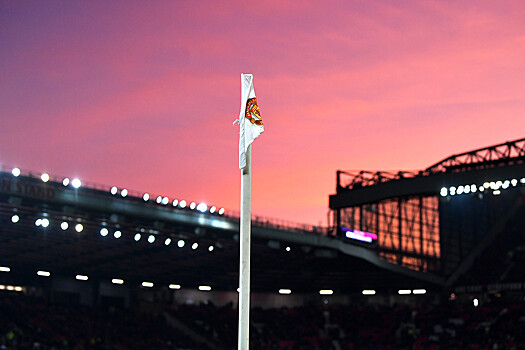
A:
[245,242]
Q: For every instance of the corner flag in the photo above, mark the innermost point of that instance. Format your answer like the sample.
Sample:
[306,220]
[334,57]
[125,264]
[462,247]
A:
[249,119]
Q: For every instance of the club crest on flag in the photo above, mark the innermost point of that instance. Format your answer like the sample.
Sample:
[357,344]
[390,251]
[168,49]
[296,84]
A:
[252,112]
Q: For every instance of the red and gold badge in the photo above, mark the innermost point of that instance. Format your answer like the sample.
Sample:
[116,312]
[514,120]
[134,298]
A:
[252,111]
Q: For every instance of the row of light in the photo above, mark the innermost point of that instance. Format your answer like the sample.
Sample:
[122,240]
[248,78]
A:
[10,288]
[202,207]
[44,222]
[151,239]
[400,292]
[495,186]
[76,183]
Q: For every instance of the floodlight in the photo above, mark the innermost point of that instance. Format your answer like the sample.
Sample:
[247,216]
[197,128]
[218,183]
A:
[151,239]
[16,172]
[419,291]
[45,177]
[117,234]
[159,199]
[181,243]
[285,291]
[104,232]
[213,209]
[117,281]
[404,291]
[288,249]
[205,288]
[124,192]
[221,211]
[443,192]
[5,269]
[76,183]
[113,190]
[182,203]
[81,277]
[147,284]
[174,286]
[202,207]
[145,197]
[165,200]
[460,190]
[43,273]
[65,182]
[38,222]
[167,241]
[15,218]
[326,292]
[64,225]
[368,292]
[175,202]
[79,228]
[210,248]
[192,205]
[137,237]
[44,223]
[475,302]
[195,246]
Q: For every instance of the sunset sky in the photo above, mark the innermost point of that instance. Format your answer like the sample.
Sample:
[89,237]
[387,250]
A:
[142,94]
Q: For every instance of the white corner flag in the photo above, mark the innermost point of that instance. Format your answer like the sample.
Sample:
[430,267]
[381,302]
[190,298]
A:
[249,119]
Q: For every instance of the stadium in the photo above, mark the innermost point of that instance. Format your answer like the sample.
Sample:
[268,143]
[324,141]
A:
[428,259]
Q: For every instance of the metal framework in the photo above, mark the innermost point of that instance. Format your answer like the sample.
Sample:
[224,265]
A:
[408,223]
[508,153]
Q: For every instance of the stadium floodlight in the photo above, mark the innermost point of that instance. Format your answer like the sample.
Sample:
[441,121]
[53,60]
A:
[473,188]
[202,207]
[486,185]
[213,209]
[285,291]
[175,202]
[193,205]
[2,286]
[167,241]
[5,269]
[151,239]
[137,237]
[104,232]
[482,188]
[16,172]
[496,192]
[326,292]
[221,211]
[117,234]
[10,288]
[475,302]
[147,284]
[499,184]
[205,288]
[452,190]
[124,193]
[288,249]
[43,273]
[443,192]
[404,292]
[467,189]
[145,197]
[117,281]
[195,246]
[165,200]
[522,180]
[113,190]
[514,182]
[65,182]
[15,218]
[211,248]
[82,277]
[44,223]
[368,292]
[419,291]
[64,225]
[174,286]
[18,289]
[159,199]
[44,177]
[76,183]
[38,222]
[506,184]
[460,190]
[182,204]
[181,243]
[79,228]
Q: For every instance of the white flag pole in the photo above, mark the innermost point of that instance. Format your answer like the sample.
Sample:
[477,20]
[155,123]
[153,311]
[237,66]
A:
[245,242]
